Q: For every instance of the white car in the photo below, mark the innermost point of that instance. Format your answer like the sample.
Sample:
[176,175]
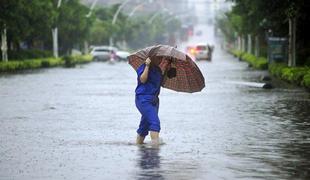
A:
[202,52]
[102,53]
[122,55]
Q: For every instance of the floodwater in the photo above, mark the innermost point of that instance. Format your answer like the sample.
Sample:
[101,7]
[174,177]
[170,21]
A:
[80,123]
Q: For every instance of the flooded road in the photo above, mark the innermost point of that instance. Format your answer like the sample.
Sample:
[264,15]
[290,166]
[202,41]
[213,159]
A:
[80,124]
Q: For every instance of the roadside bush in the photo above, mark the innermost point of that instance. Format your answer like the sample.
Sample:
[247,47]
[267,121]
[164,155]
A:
[297,75]
[68,61]
[81,59]
[276,69]
[294,74]
[19,65]
[257,63]
[261,63]
[71,61]
[51,62]
[12,66]
[236,53]
[32,64]
[306,80]
[8,66]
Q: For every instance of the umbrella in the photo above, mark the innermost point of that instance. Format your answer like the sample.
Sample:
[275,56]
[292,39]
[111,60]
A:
[188,77]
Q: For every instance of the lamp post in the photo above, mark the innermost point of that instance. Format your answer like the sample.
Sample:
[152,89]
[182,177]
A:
[88,16]
[135,9]
[91,8]
[115,18]
[177,16]
[131,13]
[157,14]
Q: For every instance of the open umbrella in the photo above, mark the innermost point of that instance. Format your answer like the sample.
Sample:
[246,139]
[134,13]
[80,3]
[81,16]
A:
[188,76]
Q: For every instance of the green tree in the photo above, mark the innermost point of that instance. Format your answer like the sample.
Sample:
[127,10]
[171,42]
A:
[258,16]
[73,25]
[25,20]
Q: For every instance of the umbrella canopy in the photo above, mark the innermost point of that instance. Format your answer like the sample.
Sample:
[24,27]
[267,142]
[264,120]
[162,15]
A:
[188,76]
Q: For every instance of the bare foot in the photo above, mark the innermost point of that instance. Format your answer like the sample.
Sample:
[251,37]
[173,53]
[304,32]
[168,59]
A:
[156,142]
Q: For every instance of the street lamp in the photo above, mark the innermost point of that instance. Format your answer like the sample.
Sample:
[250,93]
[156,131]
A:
[118,11]
[91,8]
[135,9]
[157,14]
[177,16]
[88,16]
[115,18]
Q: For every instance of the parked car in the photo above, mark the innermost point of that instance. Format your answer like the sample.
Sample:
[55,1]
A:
[102,53]
[122,55]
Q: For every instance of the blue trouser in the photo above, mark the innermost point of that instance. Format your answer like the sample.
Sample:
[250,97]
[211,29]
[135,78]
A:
[148,107]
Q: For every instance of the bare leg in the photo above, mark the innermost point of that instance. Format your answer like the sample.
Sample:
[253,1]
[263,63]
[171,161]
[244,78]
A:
[154,137]
[140,139]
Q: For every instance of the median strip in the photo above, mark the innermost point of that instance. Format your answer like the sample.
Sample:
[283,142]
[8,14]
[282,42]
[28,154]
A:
[67,61]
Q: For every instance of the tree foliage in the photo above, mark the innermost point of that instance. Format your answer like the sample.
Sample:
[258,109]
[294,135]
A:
[256,17]
[29,25]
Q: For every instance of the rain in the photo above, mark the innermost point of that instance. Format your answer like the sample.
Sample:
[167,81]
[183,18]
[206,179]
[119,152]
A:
[67,90]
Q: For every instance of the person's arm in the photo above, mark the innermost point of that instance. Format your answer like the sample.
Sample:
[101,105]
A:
[145,74]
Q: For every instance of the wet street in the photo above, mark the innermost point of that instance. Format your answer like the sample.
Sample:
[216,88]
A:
[80,123]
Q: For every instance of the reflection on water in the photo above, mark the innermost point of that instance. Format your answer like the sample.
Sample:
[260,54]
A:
[149,163]
[295,151]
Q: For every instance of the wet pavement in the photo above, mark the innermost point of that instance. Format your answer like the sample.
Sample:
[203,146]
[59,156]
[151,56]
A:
[80,124]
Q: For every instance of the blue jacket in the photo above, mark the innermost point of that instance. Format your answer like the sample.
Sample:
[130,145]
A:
[153,83]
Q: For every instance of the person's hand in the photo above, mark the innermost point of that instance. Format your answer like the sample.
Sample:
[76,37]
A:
[148,62]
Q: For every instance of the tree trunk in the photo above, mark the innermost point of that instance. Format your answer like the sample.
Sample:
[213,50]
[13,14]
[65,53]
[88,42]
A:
[239,43]
[249,49]
[55,42]
[4,45]
[256,46]
[86,47]
[243,45]
[292,42]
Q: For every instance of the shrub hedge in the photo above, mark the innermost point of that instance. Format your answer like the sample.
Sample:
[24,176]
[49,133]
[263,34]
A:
[12,66]
[256,62]
[296,75]
[29,54]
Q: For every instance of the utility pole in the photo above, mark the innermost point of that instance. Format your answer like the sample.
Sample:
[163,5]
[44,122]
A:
[4,46]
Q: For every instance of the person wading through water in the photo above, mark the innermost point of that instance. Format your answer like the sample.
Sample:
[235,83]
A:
[150,78]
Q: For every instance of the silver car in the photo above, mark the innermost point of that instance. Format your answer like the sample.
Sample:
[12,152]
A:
[202,52]
[102,53]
